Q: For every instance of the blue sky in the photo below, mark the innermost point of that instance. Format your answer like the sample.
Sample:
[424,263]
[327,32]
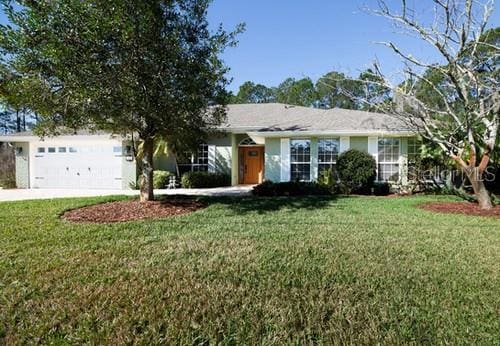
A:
[298,38]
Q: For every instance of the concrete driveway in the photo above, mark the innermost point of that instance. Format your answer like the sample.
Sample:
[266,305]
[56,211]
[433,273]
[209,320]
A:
[29,194]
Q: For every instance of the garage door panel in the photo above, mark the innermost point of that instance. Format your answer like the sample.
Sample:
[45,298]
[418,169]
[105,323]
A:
[79,167]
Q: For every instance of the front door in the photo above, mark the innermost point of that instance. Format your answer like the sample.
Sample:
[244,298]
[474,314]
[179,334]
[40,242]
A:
[253,164]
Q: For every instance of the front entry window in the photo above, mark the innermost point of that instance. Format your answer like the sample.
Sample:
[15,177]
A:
[195,163]
[300,159]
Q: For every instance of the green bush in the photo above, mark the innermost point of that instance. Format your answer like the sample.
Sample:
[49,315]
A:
[291,188]
[357,171]
[327,178]
[161,178]
[194,180]
[381,189]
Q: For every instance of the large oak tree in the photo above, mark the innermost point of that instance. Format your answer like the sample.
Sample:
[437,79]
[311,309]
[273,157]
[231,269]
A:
[144,68]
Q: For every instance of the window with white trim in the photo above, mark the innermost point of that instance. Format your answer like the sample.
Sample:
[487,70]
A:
[197,162]
[300,160]
[388,159]
[328,153]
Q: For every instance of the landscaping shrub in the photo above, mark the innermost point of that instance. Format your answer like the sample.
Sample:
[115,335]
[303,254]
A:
[161,178]
[291,188]
[381,189]
[492,179]
[328,178]
[357,171]
[193,180]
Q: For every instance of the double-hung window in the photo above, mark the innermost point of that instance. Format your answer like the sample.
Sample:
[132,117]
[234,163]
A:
[300,159]
[328,153]
[388,159]
[197,162]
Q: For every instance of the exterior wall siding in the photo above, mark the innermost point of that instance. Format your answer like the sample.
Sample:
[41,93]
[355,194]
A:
[273,159]
[22,166]
[235,167]
[359,143]
[223,153]
[165,162]
[129,169]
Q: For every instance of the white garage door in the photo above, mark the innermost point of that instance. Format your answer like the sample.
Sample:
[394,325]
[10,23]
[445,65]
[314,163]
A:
[74,166]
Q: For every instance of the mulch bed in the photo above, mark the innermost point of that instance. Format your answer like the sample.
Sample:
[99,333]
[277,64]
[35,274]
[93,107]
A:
[467,208]
[131,210]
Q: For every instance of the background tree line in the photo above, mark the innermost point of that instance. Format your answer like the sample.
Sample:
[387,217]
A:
[332,90]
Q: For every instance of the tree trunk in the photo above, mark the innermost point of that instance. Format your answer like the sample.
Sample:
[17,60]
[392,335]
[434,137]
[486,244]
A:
[147,171]
[480,191]
[177,171]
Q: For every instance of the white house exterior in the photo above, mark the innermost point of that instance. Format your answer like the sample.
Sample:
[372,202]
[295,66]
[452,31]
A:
[257,142]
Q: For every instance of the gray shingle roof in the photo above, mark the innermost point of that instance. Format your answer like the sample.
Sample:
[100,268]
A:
[68,132]
[276,117]
[268,117]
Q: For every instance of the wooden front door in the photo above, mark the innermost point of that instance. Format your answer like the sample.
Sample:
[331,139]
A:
[253,164]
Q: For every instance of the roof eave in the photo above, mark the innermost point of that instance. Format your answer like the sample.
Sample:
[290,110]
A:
[344,133]
[30,139]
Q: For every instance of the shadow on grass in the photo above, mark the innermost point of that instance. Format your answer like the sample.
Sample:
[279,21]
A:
[262,205]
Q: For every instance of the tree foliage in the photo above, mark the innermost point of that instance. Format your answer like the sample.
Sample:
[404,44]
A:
[297,92]
[149,68]
[250,92]
[332,90]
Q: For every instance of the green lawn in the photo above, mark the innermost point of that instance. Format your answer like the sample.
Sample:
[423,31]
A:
[348,270]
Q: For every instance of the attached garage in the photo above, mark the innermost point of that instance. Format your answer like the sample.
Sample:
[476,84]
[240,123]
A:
[77,165]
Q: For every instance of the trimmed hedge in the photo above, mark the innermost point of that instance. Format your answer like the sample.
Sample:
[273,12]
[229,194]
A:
[194,180]
[291,188]
[357,171]
[161,179]
[381,189]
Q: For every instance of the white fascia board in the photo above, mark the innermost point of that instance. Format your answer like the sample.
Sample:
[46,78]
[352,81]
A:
[33,139]
[300,134]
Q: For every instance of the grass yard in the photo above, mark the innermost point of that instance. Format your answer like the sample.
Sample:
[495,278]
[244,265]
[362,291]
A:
[350,270]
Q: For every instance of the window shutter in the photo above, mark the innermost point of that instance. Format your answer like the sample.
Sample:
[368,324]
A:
[285,159]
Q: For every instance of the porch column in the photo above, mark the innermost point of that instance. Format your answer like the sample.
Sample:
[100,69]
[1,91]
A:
[234,160]
[373,149]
